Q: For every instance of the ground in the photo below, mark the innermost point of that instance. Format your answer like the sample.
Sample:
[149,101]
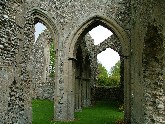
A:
[103,112]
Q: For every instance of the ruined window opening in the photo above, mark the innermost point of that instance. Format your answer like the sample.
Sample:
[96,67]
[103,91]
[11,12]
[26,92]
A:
[109,67]
[107,56]
[39,28]
[82,99]
[43,62]
[111,60]
[99,34]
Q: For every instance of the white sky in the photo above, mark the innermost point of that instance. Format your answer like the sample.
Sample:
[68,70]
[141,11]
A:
[39,27]
[108,58]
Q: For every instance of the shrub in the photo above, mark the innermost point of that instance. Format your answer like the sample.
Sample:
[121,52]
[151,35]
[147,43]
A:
[121,107]
[119,121]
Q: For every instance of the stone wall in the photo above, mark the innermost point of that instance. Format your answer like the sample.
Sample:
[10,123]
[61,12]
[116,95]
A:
[111,42]
[86,70]
[139,26]
[148,34]
[106,93]
[14,72]
[43,85]
[114,43]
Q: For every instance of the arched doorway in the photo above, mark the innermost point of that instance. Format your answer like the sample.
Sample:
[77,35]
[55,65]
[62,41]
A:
[38,16]
[71,47]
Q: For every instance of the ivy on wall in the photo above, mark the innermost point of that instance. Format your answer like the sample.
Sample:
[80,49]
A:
[52,60]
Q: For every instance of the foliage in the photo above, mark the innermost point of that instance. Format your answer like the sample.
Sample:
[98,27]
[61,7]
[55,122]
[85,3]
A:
[121,107]
[120,121]
[103,75]
[103,112]
[114,76]
[109,79]
[52,60]
[115,70]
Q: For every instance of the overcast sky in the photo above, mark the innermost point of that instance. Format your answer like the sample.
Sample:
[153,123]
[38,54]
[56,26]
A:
[39,28]
[108,58]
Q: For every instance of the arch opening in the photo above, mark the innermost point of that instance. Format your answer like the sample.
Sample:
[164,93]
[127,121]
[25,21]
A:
[43,61]
[123,51]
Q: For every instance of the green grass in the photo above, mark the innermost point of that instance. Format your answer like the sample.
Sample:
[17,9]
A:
[42,111]
[101,113]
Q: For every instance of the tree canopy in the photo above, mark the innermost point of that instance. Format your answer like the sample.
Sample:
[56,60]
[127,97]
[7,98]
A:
[103,75]
[112,78]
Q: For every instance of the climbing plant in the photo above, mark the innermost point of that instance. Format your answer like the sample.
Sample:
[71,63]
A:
[52,60]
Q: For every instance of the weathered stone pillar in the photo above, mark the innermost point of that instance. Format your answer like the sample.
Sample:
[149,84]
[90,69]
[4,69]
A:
[88,92]
[70,90]
[65,94]
[84,93]
[78,90]
[80,94]
[77,94]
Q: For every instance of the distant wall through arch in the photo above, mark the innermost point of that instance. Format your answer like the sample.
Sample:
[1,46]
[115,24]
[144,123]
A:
[110,24]
[42,81]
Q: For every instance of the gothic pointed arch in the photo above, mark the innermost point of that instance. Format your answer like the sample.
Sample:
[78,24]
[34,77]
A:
[43,17]
[94,21]
[112,25]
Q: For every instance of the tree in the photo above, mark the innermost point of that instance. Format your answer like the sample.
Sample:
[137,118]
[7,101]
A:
[103,75]
[109,79]
[102,70]
[114,75]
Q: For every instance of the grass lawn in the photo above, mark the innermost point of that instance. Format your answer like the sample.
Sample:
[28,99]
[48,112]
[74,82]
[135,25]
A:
[101,113]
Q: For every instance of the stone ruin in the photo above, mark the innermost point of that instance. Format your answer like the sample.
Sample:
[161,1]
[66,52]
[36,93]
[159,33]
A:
[139,27]
[42,82]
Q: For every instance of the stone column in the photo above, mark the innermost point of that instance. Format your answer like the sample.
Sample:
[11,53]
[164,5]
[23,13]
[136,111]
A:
[84,93]
[88,93]
[80,94]
[76,94]
[78,82]
[64,89]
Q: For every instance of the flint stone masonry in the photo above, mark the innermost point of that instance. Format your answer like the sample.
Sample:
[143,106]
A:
[14,53]
[42,84]
[139,26]
[106,93]
[111,42]
[83,66]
